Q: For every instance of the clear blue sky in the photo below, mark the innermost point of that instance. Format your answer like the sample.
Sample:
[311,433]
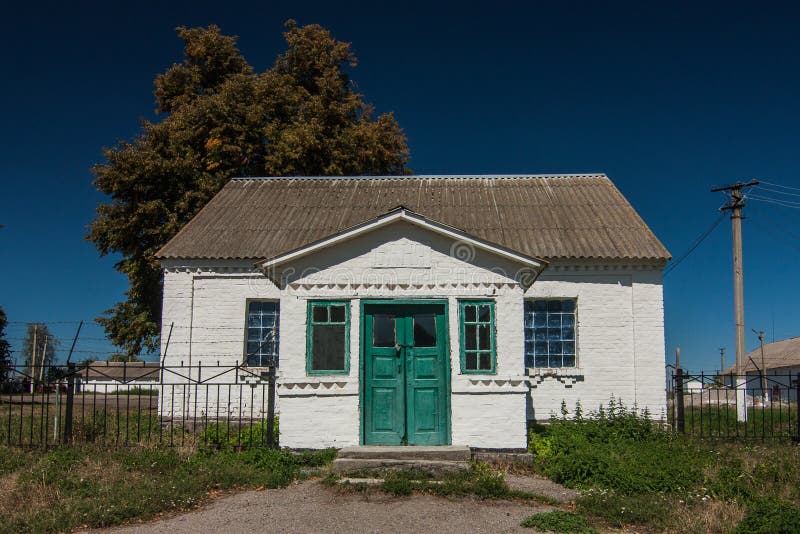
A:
[666,98]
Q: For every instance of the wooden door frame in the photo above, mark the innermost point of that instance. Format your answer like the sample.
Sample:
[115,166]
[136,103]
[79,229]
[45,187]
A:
[362,384]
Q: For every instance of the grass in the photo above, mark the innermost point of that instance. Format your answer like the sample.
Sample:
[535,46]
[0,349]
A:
[479,481]
[558,521]
[633,471]
[92,486]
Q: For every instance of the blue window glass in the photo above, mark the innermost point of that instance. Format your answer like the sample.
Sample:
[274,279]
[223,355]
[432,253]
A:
[550,333]
[263,319]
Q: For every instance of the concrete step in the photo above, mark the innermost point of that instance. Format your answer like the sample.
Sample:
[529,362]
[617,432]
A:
[377,465]
[454,453]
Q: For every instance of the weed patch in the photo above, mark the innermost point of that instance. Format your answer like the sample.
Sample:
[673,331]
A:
[558,521]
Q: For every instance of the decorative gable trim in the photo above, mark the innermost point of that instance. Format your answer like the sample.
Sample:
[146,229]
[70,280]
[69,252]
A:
[535,265]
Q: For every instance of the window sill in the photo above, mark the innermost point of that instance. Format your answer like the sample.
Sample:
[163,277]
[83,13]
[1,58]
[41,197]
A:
[567,376]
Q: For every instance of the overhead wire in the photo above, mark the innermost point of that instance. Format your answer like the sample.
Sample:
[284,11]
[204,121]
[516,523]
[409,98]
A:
[696,243]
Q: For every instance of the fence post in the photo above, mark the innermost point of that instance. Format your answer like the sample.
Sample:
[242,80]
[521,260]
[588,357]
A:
[271,408]
[70,401]
[679,417]
[797,406]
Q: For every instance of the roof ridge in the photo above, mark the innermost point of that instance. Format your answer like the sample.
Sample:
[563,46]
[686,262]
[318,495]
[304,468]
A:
[426,177]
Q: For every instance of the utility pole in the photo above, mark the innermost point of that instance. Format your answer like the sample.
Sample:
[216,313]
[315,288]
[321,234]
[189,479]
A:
[33,358]
[764,397]
[721,365]
[735,206]
[44,358]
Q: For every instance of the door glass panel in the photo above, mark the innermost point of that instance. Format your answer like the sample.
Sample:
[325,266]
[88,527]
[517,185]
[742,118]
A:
[485,360]
[383,330]
[425,330]
[472,360]
[483,313]
[470,313]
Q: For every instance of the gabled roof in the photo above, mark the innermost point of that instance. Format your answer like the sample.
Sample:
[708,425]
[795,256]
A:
[402,214]
[549,217]
[777,355]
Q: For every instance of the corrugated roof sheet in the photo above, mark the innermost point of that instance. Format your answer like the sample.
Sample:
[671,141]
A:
[777,355]
[549,217]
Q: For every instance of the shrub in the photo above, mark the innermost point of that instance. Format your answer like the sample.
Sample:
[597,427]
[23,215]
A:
[770,516]
[558,521]
[616,448]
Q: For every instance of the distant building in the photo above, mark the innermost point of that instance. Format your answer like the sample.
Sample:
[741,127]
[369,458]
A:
[781,365]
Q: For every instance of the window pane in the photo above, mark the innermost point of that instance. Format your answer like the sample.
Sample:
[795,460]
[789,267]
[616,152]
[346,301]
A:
[484,314]
[554,320]
[470,313]
[337,314]
[568,320]
[261,348]
[553,334]
[541,347]
[540,319]
[470,337]
[528,320]
[328,347]
[320,314]
[425,330]
[568,305]
[540,305]
[472,361]
[528,346]
[569,360]
[553,306]
[567,333]
[569,347]
[483,337]
[485,361]
[540,361]
[383,330]
[555,348]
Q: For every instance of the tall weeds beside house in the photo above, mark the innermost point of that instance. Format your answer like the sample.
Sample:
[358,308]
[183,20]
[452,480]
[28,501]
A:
[634,470]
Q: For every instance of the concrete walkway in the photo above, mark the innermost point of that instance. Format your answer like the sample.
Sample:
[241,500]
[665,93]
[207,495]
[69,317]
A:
[311,507]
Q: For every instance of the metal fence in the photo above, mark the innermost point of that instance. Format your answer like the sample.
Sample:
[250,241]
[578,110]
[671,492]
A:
[138,403]
[755,406]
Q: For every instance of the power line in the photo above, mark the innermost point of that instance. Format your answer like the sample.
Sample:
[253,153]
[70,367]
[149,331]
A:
[696,243]
[778,191]
[784,203]
[780,185]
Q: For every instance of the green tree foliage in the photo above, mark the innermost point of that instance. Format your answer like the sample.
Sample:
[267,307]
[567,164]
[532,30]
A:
[221,119]
[5,348]
[39,349]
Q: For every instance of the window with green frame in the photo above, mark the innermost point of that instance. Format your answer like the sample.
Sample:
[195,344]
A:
[328,338]
[478,346]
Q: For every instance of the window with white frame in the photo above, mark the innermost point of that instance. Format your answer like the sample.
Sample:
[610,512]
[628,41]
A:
[262,333]
[550,333]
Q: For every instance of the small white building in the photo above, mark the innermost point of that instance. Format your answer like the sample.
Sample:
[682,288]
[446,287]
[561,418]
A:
[781,366]
[422,309]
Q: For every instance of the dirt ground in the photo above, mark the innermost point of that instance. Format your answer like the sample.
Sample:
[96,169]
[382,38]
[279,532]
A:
[310,507]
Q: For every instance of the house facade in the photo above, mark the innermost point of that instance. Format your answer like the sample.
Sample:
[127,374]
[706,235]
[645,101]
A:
[422,310]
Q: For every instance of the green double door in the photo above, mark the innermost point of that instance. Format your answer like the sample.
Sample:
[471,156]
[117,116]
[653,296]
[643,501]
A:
[406,375]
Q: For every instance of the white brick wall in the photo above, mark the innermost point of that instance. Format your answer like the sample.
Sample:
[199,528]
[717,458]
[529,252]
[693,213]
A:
[620,331]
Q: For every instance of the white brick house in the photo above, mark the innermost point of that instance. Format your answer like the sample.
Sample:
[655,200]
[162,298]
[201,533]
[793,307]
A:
[423,310]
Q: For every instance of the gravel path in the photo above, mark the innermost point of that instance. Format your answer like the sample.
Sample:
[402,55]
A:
[311,507]
[541,486]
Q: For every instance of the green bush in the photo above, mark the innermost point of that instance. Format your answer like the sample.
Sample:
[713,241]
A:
[616,448]
[558,521]
[225,436]
[770,516]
